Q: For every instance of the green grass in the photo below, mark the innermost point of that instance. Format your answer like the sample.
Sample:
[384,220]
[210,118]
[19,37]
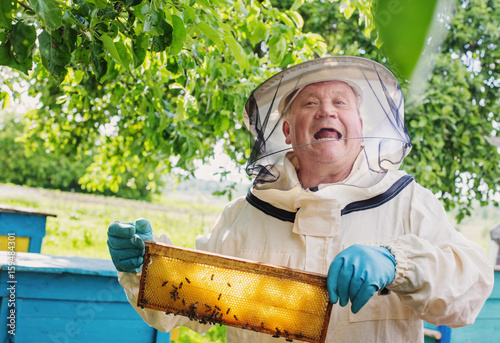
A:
[80,228]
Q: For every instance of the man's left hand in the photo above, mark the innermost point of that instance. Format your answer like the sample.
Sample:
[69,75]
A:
[358,272]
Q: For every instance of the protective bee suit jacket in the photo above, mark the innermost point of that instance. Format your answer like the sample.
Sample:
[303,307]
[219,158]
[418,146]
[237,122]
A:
[441,277]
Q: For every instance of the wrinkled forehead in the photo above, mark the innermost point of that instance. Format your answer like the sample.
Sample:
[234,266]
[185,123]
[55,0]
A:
[327,87]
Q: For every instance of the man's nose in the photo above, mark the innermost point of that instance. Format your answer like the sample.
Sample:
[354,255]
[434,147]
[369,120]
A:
[327,110]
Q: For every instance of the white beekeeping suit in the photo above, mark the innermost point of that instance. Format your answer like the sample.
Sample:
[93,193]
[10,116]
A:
[441,277]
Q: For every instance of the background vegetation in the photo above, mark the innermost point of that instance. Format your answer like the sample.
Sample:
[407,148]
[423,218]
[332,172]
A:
[56,170]
[144,89]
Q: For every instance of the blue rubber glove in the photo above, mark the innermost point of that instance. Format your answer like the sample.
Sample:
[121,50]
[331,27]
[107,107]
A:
[358,272]
[126,244]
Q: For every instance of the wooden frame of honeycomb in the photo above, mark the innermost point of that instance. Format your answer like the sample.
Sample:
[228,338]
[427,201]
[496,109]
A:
[216,289]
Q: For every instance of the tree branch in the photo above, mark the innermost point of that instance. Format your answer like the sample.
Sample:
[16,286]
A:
[26,6]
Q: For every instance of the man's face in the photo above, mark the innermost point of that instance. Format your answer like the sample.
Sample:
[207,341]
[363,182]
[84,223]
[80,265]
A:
[325,114]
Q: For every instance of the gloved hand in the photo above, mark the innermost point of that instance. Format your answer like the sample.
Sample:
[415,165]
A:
[126,244]
[358,272]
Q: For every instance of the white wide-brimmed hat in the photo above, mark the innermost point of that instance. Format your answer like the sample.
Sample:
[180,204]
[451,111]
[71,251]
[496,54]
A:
[380,99]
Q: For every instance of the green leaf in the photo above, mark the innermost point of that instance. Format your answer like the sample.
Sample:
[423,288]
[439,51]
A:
[403,28]
[238,52]
[4,100]
[133,2]
[124,54]
[204,4]
[259,33]
[277,51]
[154,22]
[286,20]
[213,35]
[138,50]
[180,113]
[223,124]
[99,64]
[296,5]
[348,8]
[69,37]
[44,47]
[179,35]
[98,3]
[191,13]
[55,55]
[78,76]
[49,11]
[117,51]
[297,19]
[23,38]
[82,55]
[145,10]
[5,54]
[105,14]
[164,40]
[6,7]
[287,60]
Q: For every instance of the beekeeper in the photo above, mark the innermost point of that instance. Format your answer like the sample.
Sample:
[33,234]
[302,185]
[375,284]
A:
[328,198]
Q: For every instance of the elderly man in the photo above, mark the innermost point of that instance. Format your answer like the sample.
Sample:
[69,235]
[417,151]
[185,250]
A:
[324,112]
[328,198]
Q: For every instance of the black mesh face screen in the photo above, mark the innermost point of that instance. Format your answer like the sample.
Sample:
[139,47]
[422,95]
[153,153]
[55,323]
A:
[385,139]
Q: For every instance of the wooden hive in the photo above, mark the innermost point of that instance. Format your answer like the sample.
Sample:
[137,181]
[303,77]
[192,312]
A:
[216,289]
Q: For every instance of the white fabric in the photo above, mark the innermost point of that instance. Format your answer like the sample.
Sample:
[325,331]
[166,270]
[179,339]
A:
[441,276]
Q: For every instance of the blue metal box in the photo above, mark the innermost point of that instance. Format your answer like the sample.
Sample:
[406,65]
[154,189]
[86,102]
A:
[66,299]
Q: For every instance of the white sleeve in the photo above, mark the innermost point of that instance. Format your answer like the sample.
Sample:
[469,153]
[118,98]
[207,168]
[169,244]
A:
[444,277]
[157,319]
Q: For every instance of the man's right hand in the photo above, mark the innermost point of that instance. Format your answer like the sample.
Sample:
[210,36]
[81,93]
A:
[126,244]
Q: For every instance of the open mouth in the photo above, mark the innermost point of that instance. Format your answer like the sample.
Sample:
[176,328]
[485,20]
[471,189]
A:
[327,133]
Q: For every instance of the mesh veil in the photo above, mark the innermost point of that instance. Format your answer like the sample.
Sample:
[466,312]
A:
[386,140]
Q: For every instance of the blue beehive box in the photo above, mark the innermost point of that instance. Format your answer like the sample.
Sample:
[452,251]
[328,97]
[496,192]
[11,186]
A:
[486,328]
[25,225]
[66,299]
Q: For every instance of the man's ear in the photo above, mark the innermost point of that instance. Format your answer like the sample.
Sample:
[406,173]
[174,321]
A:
[286,131]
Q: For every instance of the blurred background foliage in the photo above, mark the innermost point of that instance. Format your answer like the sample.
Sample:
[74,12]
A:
[43,168]
[128,91]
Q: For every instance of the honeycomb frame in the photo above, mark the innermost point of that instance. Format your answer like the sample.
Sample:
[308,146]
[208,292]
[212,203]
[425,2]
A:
[216,289]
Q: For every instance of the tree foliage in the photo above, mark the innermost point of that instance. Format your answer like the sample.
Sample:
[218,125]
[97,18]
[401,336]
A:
[459,108]
[55,170]
[152,84]
[149,87]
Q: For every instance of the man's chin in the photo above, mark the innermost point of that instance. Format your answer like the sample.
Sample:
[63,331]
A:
[331,152]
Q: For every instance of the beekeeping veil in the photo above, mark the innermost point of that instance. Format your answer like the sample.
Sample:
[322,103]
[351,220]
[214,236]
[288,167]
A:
[385,137]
